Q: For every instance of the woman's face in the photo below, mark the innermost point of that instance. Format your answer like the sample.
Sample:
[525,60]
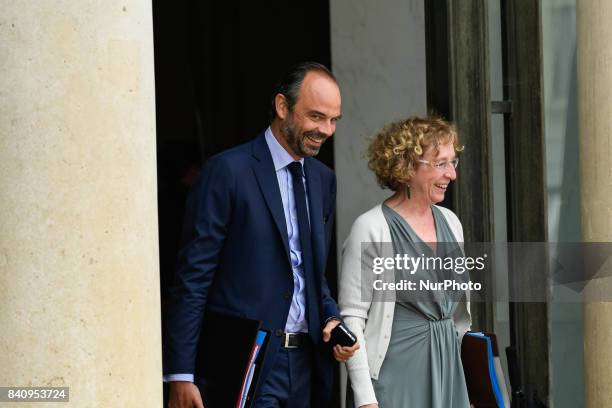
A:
[430,183]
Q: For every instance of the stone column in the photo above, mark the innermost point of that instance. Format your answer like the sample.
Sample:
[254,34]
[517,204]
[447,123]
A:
[79,278]
[594,47]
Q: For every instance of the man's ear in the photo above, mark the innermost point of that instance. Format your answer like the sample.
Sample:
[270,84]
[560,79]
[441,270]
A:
[280,103]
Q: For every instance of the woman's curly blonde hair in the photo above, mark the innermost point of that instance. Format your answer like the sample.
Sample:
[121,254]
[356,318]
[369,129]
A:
[394,152]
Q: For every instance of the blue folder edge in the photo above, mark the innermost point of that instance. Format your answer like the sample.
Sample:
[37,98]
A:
[261,337]
[492,374]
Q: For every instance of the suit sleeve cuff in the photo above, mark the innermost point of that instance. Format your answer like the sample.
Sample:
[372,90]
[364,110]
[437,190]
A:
[329,319]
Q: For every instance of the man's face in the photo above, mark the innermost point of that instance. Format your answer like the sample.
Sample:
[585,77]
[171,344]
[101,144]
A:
[314,116]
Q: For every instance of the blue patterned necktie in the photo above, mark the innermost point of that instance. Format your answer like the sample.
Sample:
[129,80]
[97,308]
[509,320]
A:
[302,212]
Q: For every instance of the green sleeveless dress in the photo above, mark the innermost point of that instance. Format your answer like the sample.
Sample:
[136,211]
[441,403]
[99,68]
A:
[422,367]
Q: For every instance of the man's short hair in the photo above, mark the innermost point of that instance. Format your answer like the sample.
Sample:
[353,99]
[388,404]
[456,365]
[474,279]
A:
[290,82]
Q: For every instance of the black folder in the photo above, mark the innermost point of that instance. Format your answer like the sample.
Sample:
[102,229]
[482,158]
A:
[225,348]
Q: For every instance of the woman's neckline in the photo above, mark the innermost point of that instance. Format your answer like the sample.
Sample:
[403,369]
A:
[437,232]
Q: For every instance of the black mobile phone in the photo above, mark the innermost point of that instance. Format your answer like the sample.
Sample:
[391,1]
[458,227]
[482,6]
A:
[343,336]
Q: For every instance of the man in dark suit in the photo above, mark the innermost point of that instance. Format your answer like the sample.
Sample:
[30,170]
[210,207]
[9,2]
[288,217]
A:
[257,232]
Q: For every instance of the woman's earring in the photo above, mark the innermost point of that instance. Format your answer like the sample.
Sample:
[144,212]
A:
[408,191]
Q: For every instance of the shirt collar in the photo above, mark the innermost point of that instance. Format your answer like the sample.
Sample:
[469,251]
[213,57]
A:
[280,157]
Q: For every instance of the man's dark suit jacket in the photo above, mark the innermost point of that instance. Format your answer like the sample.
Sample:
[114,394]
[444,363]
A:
[235,257]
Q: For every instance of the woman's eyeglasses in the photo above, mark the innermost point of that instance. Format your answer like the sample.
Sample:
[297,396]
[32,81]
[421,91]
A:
[441,165]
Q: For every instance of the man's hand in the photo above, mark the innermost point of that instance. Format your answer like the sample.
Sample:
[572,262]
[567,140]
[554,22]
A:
[341,354]
[184,394]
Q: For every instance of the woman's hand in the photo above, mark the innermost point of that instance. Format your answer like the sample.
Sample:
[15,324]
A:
[369,406]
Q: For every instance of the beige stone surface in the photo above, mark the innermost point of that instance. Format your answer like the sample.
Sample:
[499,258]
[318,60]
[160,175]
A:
[79,273]
[594,48]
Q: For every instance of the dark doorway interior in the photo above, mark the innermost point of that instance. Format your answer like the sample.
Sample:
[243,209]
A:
[215,65]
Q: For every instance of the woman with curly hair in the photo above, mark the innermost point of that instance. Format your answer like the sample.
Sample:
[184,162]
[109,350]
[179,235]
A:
[409,354]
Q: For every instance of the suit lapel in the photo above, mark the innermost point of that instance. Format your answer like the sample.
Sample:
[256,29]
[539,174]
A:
[315,196]
[268,184]
[313,274]
[265,174]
